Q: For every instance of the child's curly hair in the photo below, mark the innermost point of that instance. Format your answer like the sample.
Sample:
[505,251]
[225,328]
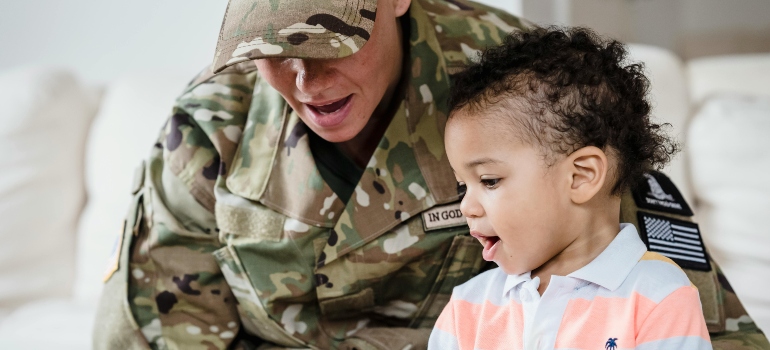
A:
[565,89]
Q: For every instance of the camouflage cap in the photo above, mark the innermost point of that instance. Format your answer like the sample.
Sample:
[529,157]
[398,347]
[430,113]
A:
[254,29]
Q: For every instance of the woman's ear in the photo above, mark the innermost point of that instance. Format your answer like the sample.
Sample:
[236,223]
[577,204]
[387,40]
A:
[400,6]
[588,167]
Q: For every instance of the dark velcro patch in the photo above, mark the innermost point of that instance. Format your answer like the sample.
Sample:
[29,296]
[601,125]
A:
[659,193]
[678,240]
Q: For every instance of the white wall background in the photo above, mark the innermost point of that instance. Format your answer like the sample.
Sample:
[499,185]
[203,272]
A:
[105,39]
[102,40]
[690,28]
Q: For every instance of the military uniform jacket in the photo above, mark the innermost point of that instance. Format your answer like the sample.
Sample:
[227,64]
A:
[234,239]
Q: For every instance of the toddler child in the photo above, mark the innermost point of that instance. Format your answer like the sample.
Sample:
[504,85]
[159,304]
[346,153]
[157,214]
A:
[544,134]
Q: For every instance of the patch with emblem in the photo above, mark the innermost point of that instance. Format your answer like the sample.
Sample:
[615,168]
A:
[657,192]
[114,262]
[442,217]
[677,240]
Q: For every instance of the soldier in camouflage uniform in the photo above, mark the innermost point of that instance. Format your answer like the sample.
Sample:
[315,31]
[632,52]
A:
[275,214]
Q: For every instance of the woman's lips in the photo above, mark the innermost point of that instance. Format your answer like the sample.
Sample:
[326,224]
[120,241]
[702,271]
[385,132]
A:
[330,107]
[330,114]
[490,243]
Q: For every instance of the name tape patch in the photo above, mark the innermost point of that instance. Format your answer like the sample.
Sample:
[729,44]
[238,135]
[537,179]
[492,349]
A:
[659,193]
[678,240]
[442,217]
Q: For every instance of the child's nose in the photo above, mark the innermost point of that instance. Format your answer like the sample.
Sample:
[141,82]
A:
[470,207]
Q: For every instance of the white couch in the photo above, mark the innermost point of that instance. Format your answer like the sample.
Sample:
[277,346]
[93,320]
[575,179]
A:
[56,243]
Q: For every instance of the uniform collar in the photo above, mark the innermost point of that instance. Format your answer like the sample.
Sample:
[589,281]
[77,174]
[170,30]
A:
[409,172]
[607,270]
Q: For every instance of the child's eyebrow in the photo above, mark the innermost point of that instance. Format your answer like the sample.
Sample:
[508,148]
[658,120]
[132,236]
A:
[481,161]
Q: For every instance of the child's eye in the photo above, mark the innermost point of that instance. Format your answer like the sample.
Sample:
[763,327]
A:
[461,188]
[490,183]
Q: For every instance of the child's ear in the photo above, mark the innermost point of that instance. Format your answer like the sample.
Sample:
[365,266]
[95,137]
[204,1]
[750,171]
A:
[588,167]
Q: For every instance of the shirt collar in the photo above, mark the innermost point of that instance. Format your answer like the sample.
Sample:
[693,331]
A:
[608,270]
[613,265]
[513,281]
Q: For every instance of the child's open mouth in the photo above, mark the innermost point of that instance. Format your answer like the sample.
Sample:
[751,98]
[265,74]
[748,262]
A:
[490,244]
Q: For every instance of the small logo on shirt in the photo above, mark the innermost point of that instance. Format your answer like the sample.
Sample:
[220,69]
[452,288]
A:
[611,344]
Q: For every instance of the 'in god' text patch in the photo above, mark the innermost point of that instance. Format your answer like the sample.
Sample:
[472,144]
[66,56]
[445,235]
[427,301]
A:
[442,217]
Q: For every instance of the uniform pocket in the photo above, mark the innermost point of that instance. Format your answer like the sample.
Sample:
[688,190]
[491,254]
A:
[254,316]
[463,261]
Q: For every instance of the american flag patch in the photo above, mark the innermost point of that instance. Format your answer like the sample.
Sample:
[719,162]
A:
[678,240]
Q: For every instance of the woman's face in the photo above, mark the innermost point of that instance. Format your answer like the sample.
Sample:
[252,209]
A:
[336,98]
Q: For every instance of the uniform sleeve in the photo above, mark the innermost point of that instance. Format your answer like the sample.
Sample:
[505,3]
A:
[741,333]
[174,293]
[675,323]
[443,335]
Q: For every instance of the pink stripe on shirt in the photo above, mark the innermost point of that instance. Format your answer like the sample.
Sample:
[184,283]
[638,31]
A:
[497,323]
[645,301]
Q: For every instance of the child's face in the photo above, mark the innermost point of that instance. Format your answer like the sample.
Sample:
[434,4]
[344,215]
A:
[515,205]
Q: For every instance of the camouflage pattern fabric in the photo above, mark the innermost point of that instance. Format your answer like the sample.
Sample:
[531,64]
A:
[240,240]
[235,241]
[281,28]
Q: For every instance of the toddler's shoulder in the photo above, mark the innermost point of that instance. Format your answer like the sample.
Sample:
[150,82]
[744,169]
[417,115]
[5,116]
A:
[653,256]
[656,276]
[657,266]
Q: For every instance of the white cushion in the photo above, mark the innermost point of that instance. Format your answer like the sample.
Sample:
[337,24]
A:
[126,128]
[730,163]
[43,125]
[746,74]
[49,324]
[670,104]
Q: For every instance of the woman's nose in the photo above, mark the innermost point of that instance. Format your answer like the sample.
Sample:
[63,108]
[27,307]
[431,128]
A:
[313,76]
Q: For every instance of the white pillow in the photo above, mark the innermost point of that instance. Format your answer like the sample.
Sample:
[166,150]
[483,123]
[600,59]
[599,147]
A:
[127,126]
[59,324]
[729,149]
[43,124]
[745,74]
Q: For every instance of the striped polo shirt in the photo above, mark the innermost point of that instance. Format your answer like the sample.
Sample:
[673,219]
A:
[626,298]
